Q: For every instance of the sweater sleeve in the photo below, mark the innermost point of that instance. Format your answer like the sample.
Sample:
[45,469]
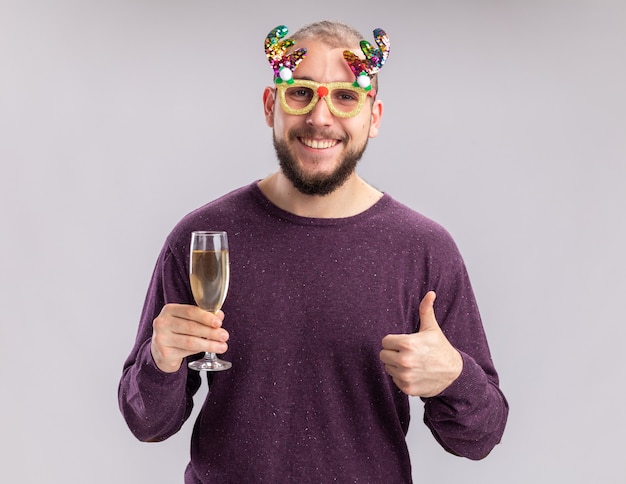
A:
[468,418]
[155,404]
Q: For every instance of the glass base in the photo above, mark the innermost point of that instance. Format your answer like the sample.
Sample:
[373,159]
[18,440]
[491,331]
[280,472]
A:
[210,362]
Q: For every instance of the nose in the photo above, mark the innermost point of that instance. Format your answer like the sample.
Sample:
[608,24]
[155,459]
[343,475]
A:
[320,115]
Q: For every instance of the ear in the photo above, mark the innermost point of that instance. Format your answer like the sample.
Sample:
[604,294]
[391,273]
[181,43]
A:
[377,114]
[269,102]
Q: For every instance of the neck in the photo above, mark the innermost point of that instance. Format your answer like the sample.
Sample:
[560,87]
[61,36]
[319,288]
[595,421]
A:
[353,197]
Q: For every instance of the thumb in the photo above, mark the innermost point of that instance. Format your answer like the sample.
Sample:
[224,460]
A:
[427,312]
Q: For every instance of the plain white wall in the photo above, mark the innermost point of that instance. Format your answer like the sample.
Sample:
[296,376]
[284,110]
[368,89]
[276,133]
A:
[504,121]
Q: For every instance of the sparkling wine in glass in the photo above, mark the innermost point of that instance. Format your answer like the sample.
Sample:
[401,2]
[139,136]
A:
[209,272]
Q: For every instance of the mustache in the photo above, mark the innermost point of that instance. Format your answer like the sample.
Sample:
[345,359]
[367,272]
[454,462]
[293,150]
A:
[315,133]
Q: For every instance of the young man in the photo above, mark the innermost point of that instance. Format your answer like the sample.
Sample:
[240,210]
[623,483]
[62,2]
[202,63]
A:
[331,316]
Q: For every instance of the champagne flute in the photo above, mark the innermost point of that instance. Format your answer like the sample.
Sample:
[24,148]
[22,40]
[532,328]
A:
[209,273]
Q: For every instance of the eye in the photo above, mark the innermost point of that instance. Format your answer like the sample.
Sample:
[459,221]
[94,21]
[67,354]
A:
[345,96]
[298,97]
[300,93]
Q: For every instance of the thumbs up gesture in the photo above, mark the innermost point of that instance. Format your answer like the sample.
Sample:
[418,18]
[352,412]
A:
[424,363]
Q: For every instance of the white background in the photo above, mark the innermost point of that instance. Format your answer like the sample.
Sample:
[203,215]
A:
[505,121]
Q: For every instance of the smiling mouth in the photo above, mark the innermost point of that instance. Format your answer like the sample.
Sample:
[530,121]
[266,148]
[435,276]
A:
[319,144]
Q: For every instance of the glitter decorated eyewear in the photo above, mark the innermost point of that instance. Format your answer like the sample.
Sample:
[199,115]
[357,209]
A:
[343,99]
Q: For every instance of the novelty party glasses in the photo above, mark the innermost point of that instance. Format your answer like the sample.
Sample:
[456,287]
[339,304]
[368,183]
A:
[343,99]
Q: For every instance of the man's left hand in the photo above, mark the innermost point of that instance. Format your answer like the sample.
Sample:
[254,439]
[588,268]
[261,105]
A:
[424,363]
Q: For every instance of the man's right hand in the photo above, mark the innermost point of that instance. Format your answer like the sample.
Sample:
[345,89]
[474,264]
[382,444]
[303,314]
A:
[181,330]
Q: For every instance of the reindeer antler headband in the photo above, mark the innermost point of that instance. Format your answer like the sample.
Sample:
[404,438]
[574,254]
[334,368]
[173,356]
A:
[363,69]
[275,48]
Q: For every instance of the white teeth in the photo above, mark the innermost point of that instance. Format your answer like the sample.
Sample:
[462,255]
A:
[318,144]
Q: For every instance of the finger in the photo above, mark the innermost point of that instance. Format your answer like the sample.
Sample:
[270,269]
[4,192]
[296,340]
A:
[210,319]
[169,350]
[427,312]
[190,321]
[392,342]
[191,337]
[387,356]
[196,330]
[196,314]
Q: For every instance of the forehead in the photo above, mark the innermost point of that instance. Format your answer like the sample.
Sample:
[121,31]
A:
[323,63]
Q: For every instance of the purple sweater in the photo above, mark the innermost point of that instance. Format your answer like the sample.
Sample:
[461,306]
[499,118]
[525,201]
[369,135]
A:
[307,398]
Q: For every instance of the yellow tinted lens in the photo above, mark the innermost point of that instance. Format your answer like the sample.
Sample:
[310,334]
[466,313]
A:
[345,100]
[298,97]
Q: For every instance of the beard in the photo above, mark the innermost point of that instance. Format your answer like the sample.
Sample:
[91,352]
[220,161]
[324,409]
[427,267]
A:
[321,184]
